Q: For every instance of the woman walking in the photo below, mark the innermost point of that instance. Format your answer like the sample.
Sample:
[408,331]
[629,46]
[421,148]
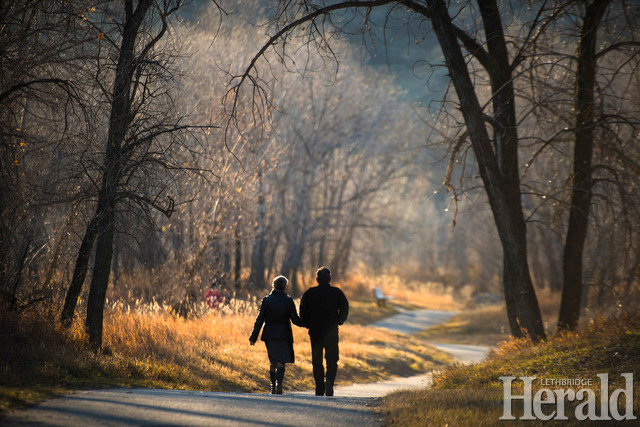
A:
[277,311]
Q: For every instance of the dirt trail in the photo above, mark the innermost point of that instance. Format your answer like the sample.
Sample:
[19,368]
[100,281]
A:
[352,406]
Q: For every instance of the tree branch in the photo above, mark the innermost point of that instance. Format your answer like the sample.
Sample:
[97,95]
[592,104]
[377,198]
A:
[235,90]
[616,46]
[19,86]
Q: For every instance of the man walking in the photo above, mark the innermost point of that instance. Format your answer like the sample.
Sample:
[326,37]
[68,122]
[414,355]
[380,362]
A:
[323,308]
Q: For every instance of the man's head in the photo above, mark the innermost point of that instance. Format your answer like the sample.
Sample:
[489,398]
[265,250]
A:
[280,283]
[323,275]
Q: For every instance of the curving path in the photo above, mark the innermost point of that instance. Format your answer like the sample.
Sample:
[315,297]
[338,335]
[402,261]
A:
[409,322]
[353,405]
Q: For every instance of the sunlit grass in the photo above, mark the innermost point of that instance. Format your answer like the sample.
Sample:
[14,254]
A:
[488,324]
[210,346]
[483,326]
[405,293]
[147,345]
[473,394]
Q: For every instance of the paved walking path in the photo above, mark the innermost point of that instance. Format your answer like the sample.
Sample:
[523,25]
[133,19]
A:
[412,321]
[152,407]
[352,406]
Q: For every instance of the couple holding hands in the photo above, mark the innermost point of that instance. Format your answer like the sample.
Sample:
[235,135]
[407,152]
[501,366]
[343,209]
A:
[322,309]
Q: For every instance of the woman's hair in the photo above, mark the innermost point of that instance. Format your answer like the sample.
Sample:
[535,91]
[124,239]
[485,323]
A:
[280,283]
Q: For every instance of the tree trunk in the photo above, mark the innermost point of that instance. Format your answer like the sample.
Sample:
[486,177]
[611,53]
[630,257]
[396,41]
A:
[237,268]
[79,271]
[582,179]
[516,269]
[295,250]
[291,265]
[258,254]
[552,250]
[119,121]
[496,169]
[101,266]
[340,261]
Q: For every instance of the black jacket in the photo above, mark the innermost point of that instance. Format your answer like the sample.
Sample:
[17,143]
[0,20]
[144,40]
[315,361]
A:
[323,308]
[277,311]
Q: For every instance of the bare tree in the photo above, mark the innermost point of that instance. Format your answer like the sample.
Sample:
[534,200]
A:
[326,154]
[581,94]
[497,158]
[42,116]
[143,134]
[492,126]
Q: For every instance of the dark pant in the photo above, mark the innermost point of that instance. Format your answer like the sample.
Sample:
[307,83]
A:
[329,345]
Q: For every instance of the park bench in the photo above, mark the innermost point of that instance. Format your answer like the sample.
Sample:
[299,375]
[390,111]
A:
[381,298]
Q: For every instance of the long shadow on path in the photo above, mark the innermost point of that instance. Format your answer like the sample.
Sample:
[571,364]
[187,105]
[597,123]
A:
[150,407]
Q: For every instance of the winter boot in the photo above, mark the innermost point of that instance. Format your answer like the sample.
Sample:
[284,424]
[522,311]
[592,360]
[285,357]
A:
[279,379]
[272,374]
[328,387]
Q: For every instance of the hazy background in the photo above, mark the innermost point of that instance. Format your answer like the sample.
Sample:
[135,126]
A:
[346,170]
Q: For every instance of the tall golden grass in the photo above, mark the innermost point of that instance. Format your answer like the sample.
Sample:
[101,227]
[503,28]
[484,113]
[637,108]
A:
[148,345]
[212,351]
[407,293]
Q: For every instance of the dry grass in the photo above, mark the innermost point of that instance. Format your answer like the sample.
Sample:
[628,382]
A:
[473,394]
[211,340]
[146,345]
[488,324]
[483,326]
[408,294]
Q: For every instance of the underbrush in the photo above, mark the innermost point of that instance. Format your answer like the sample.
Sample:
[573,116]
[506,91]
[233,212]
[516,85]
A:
[473,394]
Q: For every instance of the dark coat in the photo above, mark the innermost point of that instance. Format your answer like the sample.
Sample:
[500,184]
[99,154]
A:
[323,308]
[277,311]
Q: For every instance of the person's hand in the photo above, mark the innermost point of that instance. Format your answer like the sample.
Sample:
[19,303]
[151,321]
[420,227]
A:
[252,342]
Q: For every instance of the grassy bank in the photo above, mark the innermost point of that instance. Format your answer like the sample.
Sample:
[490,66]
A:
[488,324]
[148,346]
[473,395]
